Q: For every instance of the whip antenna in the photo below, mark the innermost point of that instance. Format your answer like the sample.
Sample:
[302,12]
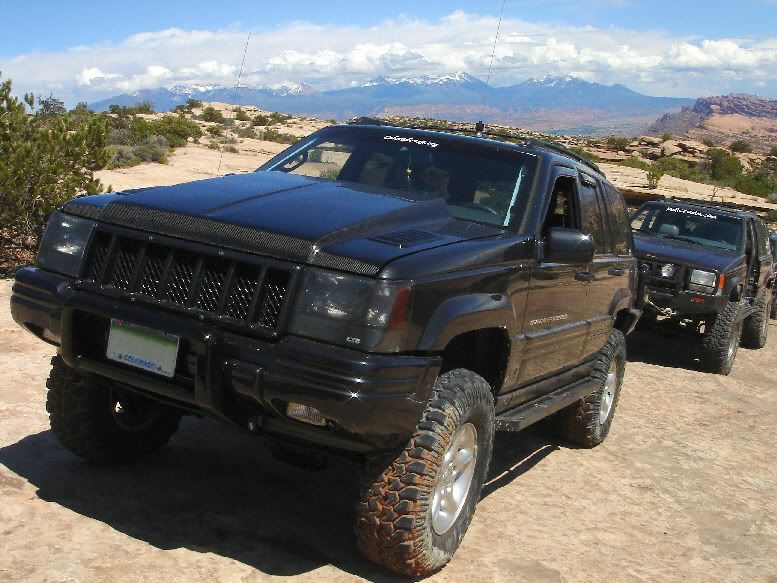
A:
[491,62]
[234,96]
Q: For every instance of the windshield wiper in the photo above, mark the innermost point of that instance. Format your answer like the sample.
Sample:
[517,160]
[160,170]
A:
[682,238]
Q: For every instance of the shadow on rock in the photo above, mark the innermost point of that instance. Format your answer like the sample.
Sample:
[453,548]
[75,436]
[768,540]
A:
[211,490]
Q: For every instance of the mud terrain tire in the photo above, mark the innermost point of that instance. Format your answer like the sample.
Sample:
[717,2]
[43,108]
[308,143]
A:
[82,413]
[396,523]
[755,329]
[721,340]
[587,422]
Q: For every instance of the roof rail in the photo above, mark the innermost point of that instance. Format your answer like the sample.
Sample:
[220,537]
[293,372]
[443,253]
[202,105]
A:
[479,131]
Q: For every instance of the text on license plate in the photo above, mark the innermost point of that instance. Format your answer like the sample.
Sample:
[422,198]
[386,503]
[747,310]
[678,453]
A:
[142,348]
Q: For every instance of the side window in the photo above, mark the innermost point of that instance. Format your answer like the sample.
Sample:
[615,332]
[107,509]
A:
[561,212]
[591,215]
[326,160]
[619,220]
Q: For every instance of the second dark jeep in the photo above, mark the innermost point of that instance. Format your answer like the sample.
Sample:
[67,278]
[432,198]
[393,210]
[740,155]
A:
[389,294]
[708,269]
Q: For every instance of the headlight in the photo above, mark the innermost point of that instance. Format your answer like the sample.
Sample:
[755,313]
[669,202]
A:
[64,244]
[667,270]
[703,278]
[369,314]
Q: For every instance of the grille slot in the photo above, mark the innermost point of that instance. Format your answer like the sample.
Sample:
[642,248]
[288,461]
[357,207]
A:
[245,283]
[274,290]
[243,292]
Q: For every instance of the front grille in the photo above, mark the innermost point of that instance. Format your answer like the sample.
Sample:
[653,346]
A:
[235,290]
[655,281]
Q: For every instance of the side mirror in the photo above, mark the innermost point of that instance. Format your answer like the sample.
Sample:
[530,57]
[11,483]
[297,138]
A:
[568,246]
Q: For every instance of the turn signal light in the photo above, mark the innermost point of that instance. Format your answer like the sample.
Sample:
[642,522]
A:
[305,413]
[722,281]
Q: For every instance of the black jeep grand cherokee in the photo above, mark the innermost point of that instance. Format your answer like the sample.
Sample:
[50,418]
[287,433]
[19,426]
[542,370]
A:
[390,293]
[708,269]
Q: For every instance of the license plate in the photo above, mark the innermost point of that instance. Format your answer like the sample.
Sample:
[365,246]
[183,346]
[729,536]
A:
[142,348]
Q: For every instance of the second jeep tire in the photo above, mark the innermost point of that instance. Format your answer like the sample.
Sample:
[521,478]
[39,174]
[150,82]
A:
[755,329]
[721,339]
[416,505]
[101,424]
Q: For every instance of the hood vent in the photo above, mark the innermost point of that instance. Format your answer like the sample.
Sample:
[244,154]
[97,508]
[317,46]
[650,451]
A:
[406,238]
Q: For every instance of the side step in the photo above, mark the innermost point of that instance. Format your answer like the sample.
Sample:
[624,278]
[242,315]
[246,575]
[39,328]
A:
[531,412]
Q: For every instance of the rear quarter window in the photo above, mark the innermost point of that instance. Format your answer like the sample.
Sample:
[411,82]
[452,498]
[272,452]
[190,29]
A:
[619,220]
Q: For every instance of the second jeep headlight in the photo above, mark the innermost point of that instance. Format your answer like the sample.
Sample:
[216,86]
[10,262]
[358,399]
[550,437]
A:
[64,244]
[358,312]
[703,278]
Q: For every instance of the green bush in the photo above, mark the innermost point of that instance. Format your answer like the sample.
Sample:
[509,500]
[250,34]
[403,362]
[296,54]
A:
[260,120]
[246,132]
[709,143]
[215,130]
[740,146]
[772,151]
[722,165]
[212,115]
[666,137]
[176,129]
[771,216]
[634,162]
[617,142]
[193,104]
[274,136]
[584,153]
[153,149]
[654,175]
[122,156]
[44,164]
[678,169]
[241,115]
[231,149]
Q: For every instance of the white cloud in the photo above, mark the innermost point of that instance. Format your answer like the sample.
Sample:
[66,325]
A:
[338,56]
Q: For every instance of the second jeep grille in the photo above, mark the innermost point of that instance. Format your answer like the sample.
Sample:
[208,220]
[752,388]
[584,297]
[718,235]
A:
[247,293]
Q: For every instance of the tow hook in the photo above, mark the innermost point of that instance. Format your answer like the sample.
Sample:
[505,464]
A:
[666,312]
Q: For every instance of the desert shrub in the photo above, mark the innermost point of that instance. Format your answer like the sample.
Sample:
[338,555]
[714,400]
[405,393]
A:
[771,216]
[260,120]
[654,175]
[152,149]
[276,117]
[44,164]
[212,115]
[122,156]
[722,165]
[193,104]
[123,111]
[241,115]
[584,153]
[274,136]
[330,173]
[666,137]
[246,132]
[314,155]
[634,162]
[678,168]
[50,106]
[214,144]
[772,151]
[740,146]
[176,129]
[120,137]
[229,140]
[709,143]
[215,130]
[617,142]
[231,149]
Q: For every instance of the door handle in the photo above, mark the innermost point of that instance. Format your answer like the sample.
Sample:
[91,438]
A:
[585,276]
[616,271]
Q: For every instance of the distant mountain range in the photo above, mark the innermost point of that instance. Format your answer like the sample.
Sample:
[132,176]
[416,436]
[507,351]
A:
[549,103]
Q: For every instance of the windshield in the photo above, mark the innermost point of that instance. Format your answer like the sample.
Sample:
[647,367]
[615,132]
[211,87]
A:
[478,183]
[699,226]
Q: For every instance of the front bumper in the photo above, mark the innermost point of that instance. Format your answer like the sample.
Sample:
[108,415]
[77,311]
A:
[370,401]
[683,303]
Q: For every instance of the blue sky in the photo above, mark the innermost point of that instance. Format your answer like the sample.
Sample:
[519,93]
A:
[89,49]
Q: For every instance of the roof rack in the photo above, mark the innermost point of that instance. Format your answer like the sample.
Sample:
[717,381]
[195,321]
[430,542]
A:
[480,131]
[721,205]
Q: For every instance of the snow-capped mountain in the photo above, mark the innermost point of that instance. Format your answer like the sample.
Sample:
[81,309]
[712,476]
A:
[455,96]
[460,78]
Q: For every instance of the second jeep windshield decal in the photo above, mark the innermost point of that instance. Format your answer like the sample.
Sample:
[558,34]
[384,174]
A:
[412,141]
[675,209]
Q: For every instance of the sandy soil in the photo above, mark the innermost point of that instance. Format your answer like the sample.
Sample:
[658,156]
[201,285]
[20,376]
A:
[684,489]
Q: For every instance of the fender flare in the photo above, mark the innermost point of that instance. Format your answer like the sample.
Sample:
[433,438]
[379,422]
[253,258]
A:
[462,314]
